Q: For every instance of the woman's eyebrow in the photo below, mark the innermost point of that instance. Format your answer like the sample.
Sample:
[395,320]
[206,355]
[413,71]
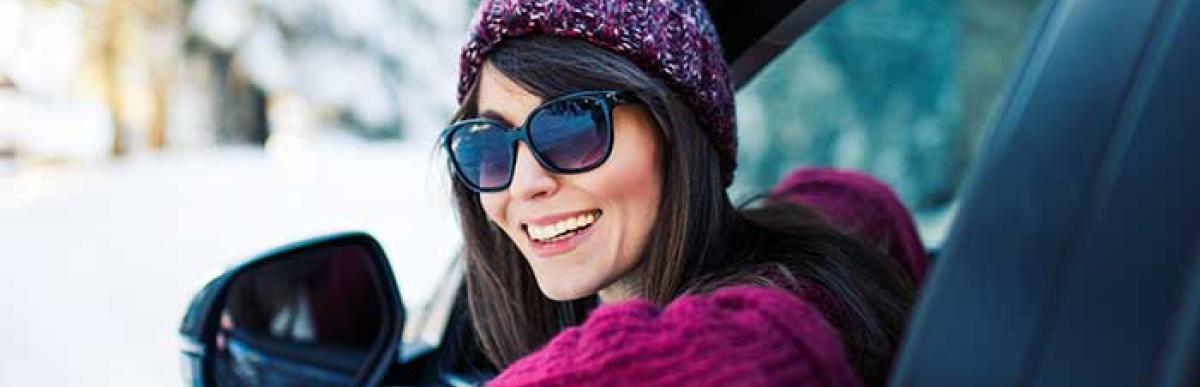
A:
[494,115]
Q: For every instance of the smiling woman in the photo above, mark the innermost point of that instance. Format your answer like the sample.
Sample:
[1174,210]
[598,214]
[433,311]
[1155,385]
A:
[593,170]
[549,218]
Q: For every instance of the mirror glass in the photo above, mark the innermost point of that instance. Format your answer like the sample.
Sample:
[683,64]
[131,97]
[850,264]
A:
[308,318]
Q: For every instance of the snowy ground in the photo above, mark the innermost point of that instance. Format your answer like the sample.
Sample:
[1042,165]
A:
[99,261]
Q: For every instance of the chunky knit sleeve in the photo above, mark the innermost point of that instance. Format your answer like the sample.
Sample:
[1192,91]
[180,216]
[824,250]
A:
[737,336]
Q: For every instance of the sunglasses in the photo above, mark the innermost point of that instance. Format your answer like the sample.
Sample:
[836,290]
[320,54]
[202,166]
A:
[568,134]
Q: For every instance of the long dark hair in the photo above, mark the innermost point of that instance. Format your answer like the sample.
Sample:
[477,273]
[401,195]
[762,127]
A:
[699,241]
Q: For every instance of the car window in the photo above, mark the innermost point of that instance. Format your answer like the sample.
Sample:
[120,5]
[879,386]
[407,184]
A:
[900,89]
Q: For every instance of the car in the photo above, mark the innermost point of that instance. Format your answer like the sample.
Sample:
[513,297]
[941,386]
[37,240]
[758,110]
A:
[1072,260]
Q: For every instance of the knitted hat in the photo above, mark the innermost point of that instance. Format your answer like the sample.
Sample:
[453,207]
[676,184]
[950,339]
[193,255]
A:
[862,206]
[674,40]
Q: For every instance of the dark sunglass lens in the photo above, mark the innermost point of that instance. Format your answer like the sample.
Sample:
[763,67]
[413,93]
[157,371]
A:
[483,154]
[572,134]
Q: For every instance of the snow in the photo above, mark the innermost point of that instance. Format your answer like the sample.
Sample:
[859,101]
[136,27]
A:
[102,259]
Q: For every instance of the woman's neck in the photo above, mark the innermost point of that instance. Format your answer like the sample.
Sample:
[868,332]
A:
[616,292]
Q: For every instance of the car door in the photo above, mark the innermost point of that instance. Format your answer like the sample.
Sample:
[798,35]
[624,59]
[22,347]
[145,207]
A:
[1074,259]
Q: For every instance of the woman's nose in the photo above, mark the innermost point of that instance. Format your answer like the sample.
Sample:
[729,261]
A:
[530,180]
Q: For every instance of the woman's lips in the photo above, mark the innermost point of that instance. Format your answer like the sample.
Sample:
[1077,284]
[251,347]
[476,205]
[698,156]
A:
[560,246]
[551,219]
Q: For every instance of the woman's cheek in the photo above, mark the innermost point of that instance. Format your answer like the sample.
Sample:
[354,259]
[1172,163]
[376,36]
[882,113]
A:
[493,207]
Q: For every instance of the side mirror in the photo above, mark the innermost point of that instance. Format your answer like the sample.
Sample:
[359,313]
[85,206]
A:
[323,312]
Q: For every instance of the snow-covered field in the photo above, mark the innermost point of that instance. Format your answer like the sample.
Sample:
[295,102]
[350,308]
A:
[100,260]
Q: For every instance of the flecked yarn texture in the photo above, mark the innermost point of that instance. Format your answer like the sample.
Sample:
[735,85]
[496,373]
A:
[736,336]
[674,40]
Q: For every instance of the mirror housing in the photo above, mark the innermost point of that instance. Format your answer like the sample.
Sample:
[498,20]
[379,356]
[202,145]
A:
[207,331]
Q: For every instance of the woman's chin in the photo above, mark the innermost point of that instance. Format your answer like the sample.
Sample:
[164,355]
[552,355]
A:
[564,291]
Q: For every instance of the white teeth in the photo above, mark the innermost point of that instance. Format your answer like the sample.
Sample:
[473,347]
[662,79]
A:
[549,232]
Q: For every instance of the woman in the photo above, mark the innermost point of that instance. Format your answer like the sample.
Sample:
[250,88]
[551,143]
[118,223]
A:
[591,153]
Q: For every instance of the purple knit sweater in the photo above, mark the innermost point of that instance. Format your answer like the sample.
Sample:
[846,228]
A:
[736,336]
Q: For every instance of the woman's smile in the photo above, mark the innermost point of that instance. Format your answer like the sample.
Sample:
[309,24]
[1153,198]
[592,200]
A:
[558,226]
[551,239]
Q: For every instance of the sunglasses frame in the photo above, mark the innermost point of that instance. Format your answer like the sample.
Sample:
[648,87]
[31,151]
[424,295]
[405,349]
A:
[608,100]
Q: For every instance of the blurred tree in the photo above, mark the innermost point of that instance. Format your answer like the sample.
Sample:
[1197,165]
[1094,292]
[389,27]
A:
[381,66]
[238,106]
[134,55]
[241,105]
[109,42]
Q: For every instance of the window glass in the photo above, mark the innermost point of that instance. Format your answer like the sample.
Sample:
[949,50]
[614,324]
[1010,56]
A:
[901,89]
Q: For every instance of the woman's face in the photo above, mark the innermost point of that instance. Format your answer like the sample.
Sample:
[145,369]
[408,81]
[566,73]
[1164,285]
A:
[612,207]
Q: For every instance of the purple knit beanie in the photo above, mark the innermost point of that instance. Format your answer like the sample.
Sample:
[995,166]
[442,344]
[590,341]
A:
[674,40]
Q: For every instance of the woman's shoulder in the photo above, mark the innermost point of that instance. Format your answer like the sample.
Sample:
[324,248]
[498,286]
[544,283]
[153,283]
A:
[738,335]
